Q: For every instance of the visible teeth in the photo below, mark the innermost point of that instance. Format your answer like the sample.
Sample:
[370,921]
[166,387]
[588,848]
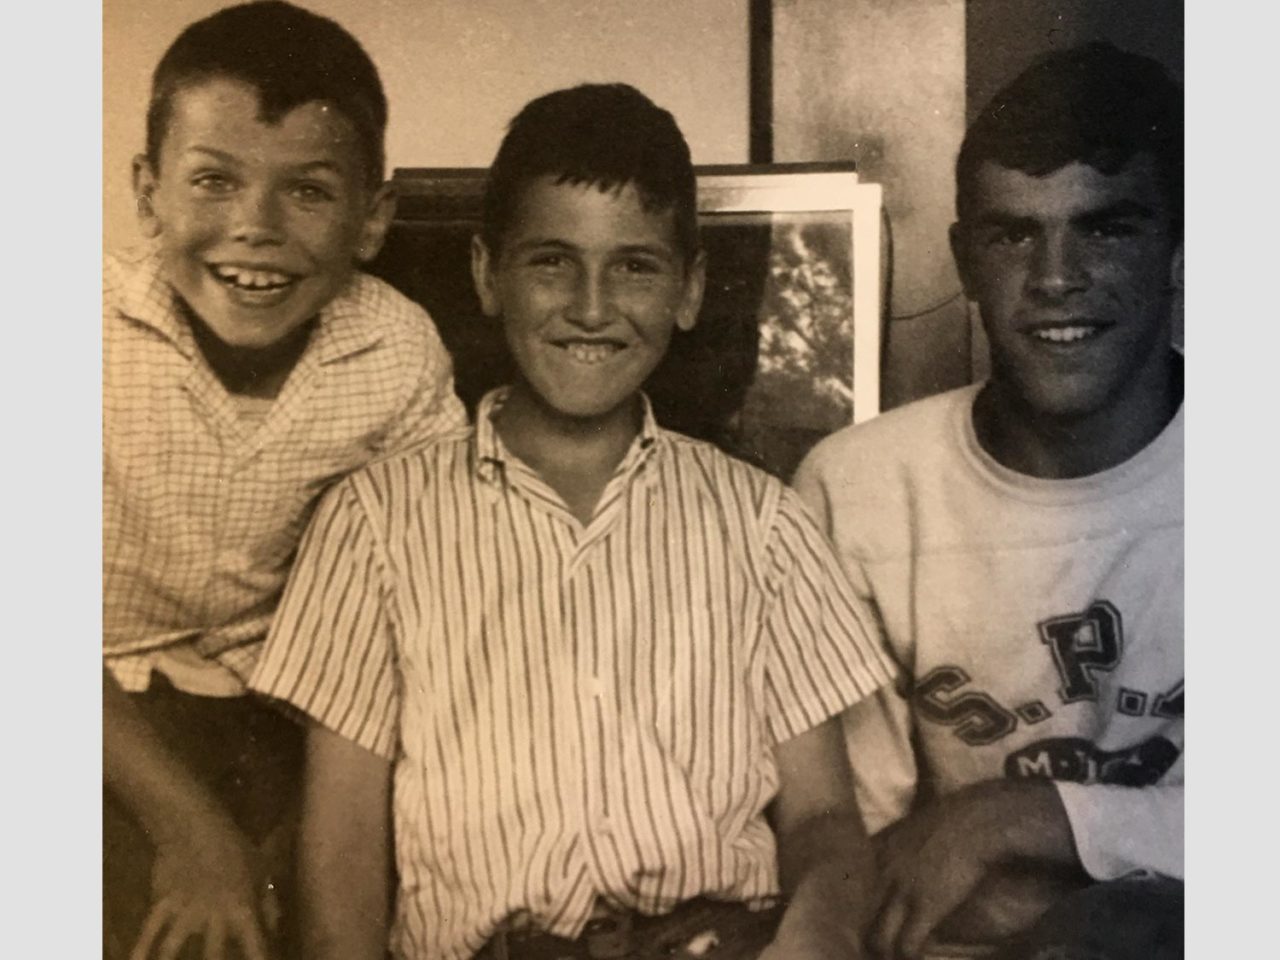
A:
[253,279]
[1065,334]
[591,352]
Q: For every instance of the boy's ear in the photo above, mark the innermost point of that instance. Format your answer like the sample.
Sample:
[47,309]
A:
[377,220]
[482,274]
[960,253]
[695,283]
[144,188]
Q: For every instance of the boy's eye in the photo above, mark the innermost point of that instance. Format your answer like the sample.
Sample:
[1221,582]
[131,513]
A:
[1112,229]
[312,193]
[1010,237]
[641,266]
[213,182]
[550,261]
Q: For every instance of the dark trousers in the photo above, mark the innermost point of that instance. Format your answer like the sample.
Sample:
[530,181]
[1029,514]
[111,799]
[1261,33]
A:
[1118,920]
[247,754]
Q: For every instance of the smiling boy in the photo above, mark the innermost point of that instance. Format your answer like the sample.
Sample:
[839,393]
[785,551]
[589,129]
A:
[247,366]
[1021,541]
[572,656]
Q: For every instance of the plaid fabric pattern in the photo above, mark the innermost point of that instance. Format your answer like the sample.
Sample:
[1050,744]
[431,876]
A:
[203,507]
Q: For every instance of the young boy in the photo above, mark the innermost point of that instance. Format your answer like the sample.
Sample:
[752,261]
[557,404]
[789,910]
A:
[247,367]
[1021,541]
[577,655]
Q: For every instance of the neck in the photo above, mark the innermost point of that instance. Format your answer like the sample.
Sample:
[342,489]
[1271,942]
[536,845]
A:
[1063,447]
[251,371]
[575,456]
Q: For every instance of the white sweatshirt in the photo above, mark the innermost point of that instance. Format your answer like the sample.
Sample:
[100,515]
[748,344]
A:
[1038,625]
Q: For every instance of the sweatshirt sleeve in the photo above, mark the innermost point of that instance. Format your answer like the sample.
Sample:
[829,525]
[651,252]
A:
[1121,831]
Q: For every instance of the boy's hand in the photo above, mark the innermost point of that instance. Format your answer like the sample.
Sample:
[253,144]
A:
[1008,902]
[205,884]
[936,859]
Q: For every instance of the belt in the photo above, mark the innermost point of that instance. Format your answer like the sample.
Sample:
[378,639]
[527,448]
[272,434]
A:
[698,929]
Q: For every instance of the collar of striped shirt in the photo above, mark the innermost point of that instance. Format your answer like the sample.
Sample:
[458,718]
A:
[344,327]
[493,459]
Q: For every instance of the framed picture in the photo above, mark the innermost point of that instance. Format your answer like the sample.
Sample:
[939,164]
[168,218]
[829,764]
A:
[787,347]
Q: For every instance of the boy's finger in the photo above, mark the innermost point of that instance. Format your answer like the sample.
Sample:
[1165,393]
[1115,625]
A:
[942,894]
[215,940]
[182,929]
[927,913]
[248,934]
[889,920]
[152,927]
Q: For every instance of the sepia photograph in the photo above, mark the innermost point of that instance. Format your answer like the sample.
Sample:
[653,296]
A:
[597,479]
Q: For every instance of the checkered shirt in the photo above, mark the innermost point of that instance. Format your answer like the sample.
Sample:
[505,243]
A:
[202,507]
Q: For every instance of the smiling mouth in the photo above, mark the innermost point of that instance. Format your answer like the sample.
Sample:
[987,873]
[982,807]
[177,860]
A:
[1073,333]
[591,351]
[252,280]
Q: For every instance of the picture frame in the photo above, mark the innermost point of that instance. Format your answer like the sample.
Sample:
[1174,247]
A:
[788,344]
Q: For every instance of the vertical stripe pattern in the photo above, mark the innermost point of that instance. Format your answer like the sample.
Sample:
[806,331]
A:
[574,711]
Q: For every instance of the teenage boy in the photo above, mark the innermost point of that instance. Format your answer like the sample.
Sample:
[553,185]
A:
[1021,541]
[248,365]
[575,658]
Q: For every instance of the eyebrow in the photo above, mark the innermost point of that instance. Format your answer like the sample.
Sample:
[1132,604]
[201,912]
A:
[309,166]
[630,249]
[211,151]
[319,165]
[1118,210]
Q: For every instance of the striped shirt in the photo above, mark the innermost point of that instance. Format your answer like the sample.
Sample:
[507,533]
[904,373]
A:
[204,501]
[573,711]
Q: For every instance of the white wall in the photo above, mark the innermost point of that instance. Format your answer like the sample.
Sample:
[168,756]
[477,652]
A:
[455,71]
[883,84]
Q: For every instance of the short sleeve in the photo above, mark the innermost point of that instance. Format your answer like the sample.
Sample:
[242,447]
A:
[330,652]
[824,650]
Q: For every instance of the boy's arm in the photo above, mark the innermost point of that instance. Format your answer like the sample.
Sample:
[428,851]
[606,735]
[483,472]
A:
[204,881]
[949,852]
[343,850]
[825,860]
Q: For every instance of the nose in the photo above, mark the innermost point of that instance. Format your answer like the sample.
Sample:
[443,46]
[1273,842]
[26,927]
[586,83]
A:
[589,306]
[1058,267]
[258,218]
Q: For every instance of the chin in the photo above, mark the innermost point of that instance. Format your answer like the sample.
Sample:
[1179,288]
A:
[587,408]
[1063,406]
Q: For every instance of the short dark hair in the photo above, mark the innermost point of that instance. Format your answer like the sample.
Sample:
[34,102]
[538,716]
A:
[602,135]
[289,55]
[1092,104]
